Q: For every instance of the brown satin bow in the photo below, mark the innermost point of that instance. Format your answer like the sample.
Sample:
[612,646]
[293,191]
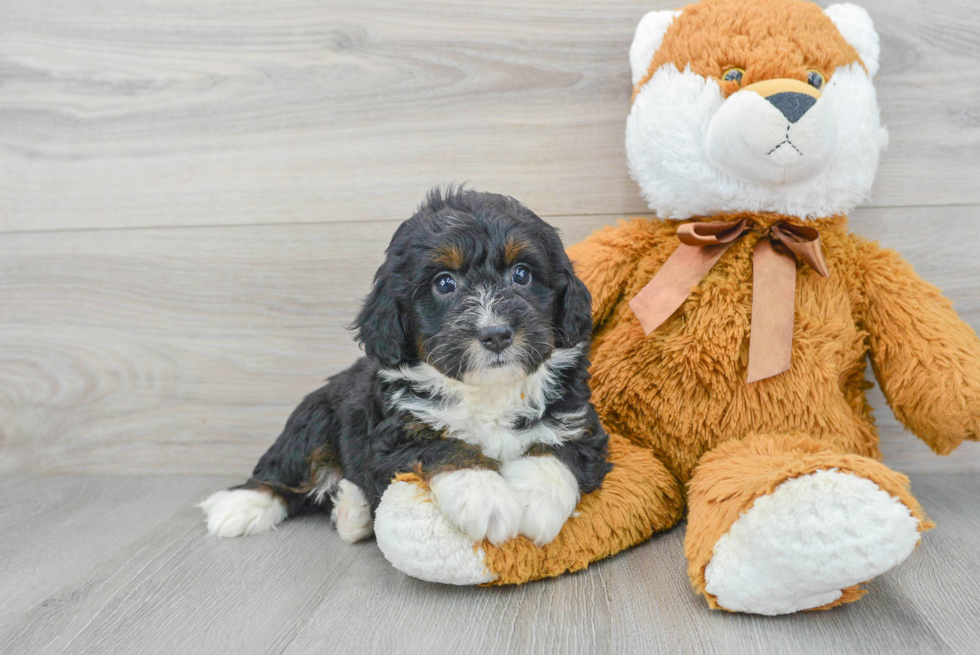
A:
[773,283]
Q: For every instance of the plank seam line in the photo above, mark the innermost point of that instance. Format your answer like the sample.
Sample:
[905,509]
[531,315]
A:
[386,220]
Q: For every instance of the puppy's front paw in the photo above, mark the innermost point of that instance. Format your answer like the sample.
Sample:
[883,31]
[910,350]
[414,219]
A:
[479,502]
[547,490]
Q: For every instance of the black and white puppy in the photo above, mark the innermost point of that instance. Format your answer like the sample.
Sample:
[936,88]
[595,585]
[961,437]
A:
[476,377]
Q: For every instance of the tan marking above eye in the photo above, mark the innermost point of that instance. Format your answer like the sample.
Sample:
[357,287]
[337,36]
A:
[513,249]
[449,256]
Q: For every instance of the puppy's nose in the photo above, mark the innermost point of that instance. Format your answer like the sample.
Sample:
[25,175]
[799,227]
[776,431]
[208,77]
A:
[496,338]
[792,105]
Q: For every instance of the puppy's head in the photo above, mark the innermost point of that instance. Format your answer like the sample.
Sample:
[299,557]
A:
[476,285]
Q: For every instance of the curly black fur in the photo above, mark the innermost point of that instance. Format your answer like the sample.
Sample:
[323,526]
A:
[354,428]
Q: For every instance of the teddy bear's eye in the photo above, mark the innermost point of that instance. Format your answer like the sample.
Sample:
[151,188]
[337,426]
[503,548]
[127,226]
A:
[815,79]
[733,75]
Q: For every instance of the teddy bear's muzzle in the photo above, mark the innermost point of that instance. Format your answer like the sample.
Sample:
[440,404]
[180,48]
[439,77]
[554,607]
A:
[773,132]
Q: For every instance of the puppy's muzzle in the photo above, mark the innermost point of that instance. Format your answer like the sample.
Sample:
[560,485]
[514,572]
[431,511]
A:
[495,338]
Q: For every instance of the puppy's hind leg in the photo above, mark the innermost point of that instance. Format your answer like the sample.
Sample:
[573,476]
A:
[249,509]
[297,475]
[351,513]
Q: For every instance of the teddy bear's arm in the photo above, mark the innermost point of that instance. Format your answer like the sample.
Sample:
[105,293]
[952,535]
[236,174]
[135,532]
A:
[925,357]
[606,261]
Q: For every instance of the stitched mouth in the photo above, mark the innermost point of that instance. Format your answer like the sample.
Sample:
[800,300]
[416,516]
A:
[784,142]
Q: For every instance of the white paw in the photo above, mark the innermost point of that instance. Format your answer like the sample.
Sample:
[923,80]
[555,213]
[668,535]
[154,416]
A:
[351,514]
[419,541]
[479,502]
[815,535]
[548,492]
[237,512]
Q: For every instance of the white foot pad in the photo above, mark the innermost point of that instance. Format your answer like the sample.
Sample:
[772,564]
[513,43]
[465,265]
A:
[351,514]
[419,541]
[798,547]
[237,512]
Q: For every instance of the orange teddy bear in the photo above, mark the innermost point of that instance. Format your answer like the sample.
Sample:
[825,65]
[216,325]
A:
[731,333]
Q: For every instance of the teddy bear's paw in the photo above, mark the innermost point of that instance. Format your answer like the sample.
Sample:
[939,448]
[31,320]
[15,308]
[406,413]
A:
[548,492]
[479,502]
[814,536]
[418,540]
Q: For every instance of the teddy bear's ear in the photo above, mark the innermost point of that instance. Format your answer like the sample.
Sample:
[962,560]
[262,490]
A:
[855,25]
[649,35]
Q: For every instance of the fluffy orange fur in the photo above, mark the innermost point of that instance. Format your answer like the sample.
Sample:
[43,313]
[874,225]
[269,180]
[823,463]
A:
[681,391]
[680,394]
[768,39]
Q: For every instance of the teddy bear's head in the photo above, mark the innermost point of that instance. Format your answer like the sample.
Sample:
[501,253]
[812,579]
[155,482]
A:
[754,105]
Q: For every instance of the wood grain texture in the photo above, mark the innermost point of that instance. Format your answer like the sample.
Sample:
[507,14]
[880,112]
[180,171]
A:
[123,113]
[57,527]
[171,588]
[183,350]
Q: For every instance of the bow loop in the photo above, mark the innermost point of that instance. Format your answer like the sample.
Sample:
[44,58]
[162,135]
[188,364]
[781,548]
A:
[804,242]
[774,283]
[712,234]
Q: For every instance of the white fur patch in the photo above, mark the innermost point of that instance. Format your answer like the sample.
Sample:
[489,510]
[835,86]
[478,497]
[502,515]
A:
[351,513]
[647,39]
[666,150]
[237,512]
[798,547]
[482,412]
[548,492]
[418,540]
[478,502]
[326,484]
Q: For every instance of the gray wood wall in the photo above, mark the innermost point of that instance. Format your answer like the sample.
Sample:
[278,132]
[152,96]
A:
[194,195]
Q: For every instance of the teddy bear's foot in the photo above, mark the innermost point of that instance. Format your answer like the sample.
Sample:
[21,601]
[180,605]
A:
[419,541]
[782,523]
[801,546]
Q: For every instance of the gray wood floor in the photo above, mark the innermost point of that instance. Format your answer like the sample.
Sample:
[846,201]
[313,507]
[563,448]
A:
[193,198]
[102,564]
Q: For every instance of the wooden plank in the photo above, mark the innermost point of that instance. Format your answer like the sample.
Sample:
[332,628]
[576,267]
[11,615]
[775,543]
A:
[122,113]
[53,528]
[299,589]
[567,615]
[184,350]
[176,589]
[953,609]
[652,590]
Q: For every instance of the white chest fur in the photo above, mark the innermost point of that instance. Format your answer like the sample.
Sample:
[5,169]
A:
[485,414]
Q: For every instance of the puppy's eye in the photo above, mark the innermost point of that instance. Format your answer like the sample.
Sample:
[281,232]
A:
[444,284]
[733,75]
[521,275]
[815,79]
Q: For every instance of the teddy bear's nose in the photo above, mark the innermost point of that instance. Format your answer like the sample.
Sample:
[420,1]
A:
[792,105]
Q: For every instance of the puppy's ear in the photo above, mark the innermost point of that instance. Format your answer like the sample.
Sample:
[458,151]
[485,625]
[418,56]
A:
[378,326]
[573,313]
